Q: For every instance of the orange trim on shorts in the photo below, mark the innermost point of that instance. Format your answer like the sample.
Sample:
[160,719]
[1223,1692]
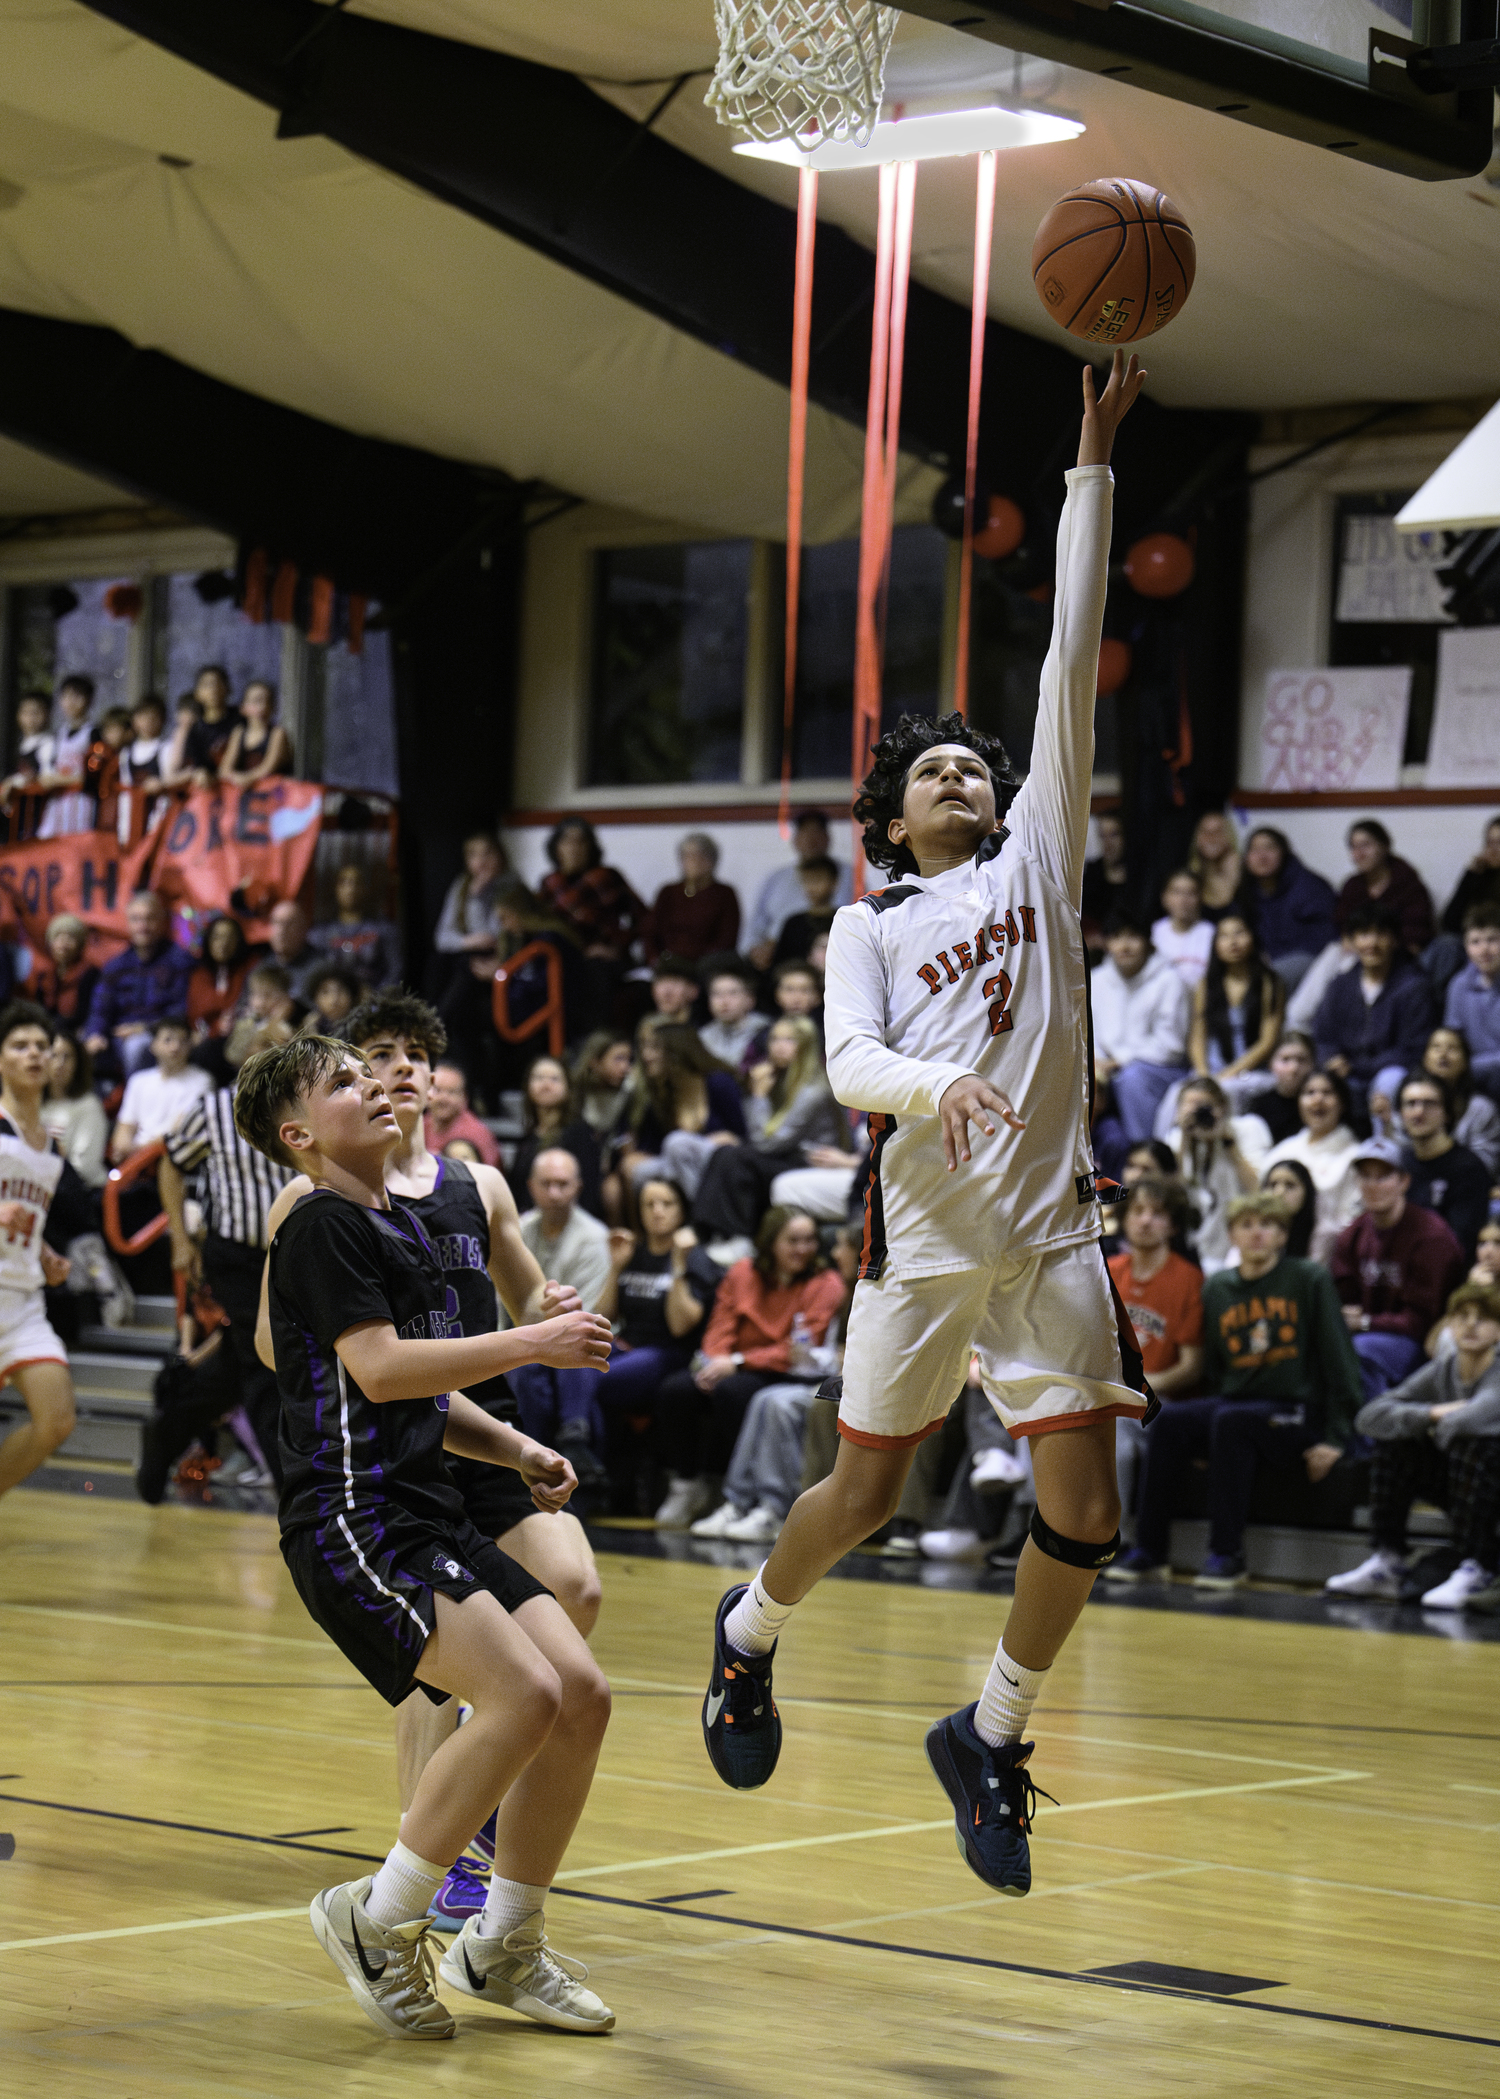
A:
[865,1441]
[1077,1419]
[29,1363]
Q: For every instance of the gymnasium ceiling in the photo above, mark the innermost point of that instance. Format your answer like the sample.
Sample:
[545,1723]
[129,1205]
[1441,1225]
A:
[314,279]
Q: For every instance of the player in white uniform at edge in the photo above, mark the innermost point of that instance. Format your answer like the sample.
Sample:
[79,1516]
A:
[958,995]
[34,1179]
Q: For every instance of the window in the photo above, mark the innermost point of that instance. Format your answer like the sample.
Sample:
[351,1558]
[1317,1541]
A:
[186,634]
[671,630]
[65,628]
[825,644]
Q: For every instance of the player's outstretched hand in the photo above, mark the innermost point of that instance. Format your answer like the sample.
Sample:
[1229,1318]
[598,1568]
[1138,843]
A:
[1104,413]
[549,1476]
[971,1100]
[576,1341]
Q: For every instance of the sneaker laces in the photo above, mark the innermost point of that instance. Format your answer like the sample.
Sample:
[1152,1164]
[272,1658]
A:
[1013,1784]
[409,1971]
[743,1685]
[545,1954]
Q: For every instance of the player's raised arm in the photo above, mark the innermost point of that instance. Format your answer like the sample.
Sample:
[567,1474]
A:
[1054,804]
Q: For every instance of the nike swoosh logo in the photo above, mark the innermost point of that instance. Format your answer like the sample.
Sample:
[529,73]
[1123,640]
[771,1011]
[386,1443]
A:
[371,1974]
[1013,1681]
[714,1707]
[476,1980]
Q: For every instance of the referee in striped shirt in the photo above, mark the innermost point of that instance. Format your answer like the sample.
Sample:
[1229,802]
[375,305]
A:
[241,1187]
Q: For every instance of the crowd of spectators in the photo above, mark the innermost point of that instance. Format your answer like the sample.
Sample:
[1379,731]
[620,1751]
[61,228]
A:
[1296,1086]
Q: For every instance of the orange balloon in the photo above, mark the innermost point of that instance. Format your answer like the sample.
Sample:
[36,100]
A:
[1160,565]
[1002,531]
[1114,665]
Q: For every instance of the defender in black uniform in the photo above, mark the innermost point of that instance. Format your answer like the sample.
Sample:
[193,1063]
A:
[377,1540]
[470,1217]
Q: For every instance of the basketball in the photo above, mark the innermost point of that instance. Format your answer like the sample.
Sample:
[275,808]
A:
[1113,261]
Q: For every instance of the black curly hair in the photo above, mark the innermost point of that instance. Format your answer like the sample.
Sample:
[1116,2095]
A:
[883,789]
[397,1012]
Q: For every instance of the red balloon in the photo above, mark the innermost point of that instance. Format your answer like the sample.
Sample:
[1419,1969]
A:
[1114,665]
[1002,531]
[1160,565]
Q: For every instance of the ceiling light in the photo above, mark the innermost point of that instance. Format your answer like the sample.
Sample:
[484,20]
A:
[915,132]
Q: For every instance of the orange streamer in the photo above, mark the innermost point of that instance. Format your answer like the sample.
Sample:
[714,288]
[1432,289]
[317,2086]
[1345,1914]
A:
[984,227]
[882,440]
[796,466]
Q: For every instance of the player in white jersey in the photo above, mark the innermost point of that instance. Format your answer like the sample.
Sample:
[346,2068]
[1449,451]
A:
[32,1171]
[955,996]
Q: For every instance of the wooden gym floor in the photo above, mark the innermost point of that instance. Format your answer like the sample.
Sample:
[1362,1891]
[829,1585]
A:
[1272,1870]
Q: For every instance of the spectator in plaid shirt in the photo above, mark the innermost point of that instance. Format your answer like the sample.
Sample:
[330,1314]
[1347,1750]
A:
[597,901]
[599,905]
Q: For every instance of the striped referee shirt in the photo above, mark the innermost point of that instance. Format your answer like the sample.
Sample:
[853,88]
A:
[242,1184]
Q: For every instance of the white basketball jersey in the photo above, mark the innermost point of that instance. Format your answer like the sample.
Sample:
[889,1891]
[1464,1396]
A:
[30,1179]
[981,970]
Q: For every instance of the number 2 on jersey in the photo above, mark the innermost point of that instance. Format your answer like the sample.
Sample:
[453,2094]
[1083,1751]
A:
[1000,1020]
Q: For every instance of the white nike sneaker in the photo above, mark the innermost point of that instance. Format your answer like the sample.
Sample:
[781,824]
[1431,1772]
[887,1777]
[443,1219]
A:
[951,1545]
[687,1500]
[715,1524]
[761,1526]
[996,1468]
[522,1972]
[1465,1581]
[388,1967]
[1379,1575]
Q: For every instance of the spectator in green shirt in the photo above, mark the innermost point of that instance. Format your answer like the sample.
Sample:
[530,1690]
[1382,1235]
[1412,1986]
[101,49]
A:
[1285,1383]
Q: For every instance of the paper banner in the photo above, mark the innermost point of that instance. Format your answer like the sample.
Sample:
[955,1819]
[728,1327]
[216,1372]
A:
[1328,731]
[239,850]
[1464,750]
[89,874]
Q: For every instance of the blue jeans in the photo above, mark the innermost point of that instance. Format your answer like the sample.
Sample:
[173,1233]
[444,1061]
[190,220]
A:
[553,1401]
[1234,1435]
[1384,1360]
[1139,1090]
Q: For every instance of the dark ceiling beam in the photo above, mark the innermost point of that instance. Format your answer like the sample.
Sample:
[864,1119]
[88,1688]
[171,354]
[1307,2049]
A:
[370,514]
[534,153]
[1250,75]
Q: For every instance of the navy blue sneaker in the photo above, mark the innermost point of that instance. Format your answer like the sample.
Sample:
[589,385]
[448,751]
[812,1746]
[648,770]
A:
[460,1897]
[993,1800]
[1221,1570]
[741,1726]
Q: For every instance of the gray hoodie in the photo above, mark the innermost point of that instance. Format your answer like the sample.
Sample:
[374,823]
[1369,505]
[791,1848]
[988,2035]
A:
[1403,1410]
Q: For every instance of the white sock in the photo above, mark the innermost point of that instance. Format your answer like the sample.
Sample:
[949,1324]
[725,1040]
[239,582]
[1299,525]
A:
[509,1903]
[1007,1698]
[404,1887]
[756,1620]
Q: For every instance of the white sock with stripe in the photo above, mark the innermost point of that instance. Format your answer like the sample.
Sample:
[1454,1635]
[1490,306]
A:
[756,1620]
[1007,1698]
[509,1903]
[404,1887]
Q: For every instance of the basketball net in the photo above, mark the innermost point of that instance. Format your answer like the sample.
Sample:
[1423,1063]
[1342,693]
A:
[807,70]
[984,228]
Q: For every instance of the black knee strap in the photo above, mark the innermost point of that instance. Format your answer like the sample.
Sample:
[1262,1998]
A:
[1073,1552]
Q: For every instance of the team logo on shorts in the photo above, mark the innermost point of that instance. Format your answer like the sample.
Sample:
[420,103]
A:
[441,1564]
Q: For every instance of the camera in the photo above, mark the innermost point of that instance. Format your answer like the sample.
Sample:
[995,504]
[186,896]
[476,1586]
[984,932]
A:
[1204,1118]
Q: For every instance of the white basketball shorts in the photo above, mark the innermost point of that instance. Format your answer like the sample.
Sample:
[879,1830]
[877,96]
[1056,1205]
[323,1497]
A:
[1044,1330]
[26,1334]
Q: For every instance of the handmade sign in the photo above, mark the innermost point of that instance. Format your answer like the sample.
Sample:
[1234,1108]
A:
[1327,731]
[1464,750]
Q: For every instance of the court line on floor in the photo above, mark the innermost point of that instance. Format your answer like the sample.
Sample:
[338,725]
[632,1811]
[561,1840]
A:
[141,1931]
[180,1721]
[163,1625]
[901,1829]
[1310,1880]
[1074,1975]
[195,1829]
[923,1715]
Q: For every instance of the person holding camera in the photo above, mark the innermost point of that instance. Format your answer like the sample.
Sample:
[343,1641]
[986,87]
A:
[1219,1157]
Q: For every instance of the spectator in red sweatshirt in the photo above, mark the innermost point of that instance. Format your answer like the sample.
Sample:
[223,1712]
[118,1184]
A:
[1393,1268]
[698,916]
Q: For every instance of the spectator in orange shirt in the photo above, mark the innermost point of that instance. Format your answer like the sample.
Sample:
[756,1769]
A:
[769,1311]
[1163,1293]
